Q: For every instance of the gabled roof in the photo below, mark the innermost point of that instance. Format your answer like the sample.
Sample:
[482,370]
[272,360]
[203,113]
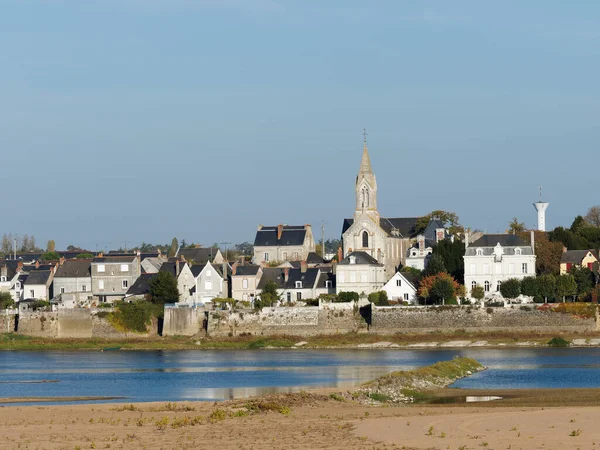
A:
[277,275]
[576,256]
[11,268]
[200,255]
[404,225]
[326,276]
[360,258]
[114,259]
[141,286]
[171,267]
[314,258]
[74,269]
[505,240]
[290,235]
[114,253]
[249,270]
[38,277]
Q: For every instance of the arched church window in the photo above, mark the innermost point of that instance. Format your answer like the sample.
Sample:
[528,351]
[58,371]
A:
[365,239]
[365,197]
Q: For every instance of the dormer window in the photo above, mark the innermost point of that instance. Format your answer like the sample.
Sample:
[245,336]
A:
[518,251]
[2,279]
[479,252]
[18,285]
[352,259]
[298,284]
[327,283]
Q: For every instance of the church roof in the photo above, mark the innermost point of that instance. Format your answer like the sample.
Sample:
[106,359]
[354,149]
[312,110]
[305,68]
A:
[405,225]
[365,162]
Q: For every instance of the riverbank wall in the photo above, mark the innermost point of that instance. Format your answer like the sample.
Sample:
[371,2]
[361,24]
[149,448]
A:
[73,324]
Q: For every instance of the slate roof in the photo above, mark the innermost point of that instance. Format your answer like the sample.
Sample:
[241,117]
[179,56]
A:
[290,235]
[405,225]
[141,285]
[361,258]
[575,256]
[196,269]
[199,255]
[74,269]
[38,277]
[171,267]
[142,255]
[11,268]
[505,240]
[326,276]
[115,259]
[277,275]
[247,270]
[314,258]
[411,278]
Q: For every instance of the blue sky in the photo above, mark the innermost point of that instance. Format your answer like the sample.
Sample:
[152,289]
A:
[124,121]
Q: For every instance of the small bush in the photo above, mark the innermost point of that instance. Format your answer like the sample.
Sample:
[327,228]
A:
[379,397]
[558,342]
[136,316]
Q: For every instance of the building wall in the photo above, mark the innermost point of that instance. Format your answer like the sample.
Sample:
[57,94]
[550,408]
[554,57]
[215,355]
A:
[113,278]
[396,292]
[72,285]
[373,280]
[215,287]
[185,282]
[589,258]
[509,267]
[238,291]
[40,291]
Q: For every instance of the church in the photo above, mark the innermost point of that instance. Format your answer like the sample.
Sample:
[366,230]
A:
[385,239]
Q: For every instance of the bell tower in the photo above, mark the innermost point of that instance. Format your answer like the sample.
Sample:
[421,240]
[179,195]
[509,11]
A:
[366,187]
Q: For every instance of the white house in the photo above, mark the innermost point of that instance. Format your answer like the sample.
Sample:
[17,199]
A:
[494,258]
[359,272]
[402,287]
[210,281]
[418,254]
[38,285]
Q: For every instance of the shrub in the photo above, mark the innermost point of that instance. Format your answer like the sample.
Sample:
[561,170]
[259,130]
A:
[344,297]
[558,342]
[136,316]
[6,300]
[379,298]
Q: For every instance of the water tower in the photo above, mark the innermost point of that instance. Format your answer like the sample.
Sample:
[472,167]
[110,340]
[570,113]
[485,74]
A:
[541,207]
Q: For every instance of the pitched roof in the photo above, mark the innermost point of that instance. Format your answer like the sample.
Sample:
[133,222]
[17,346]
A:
[277,275]
[505,240]
[405,225]
[114,259]
[360,258]
[326,276]
[247,270]
[200,255]
[11,268]
[38,277]
[141,286]
[576,256]
[290,235]
[74,268]
[314,258]
[171,267]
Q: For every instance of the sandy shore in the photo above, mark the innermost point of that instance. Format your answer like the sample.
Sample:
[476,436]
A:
[522,420]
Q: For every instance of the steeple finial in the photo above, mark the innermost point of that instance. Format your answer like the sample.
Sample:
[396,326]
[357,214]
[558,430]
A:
[365,136]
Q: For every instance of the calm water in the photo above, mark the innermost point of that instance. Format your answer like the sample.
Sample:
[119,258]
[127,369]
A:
[217,375]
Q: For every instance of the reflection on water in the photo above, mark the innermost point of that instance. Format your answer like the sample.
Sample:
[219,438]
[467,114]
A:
[218,375]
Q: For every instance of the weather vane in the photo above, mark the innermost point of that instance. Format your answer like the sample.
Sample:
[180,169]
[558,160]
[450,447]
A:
[540,192]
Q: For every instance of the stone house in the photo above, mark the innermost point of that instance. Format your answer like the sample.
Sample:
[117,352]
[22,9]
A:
[578,258]
[292,284]
[402,287]
[495,258]
[211,281]
[38,285]
[244,281]
[185,279]
[112,276]
[283,243]
[361,273]
[384,239]
[74,277]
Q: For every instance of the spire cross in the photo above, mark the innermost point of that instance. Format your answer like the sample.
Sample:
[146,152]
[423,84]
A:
[365,135]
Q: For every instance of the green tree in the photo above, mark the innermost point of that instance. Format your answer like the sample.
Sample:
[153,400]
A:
[478,293]
[411,270]
[173,248]
[584,278]
[529,287]
[435,265]
[452,254]
[6,300]
[51,247]
[547,286]
[50,256]
[332,245]
[163,289]
[511,288]
[245,248]
[268,296]
[379,298]
[448,219]
[565,285]
[516,227]
[578,224]
[84,255]
[443,291]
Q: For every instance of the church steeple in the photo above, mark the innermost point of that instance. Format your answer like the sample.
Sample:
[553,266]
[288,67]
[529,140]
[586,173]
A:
[366,187]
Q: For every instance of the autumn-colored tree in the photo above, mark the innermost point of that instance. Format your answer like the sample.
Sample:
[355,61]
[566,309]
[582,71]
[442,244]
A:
[547,254]
[434,287]
[478,293]
[516,227]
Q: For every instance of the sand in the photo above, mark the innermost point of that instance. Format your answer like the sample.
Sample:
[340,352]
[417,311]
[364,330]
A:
[312,421]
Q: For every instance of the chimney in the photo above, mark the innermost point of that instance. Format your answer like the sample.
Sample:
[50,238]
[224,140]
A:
[286,274]
[421,239]
[279,231]
[138,257]
[533,241]
[303,266]
[260,227]
[20,266]
[467,237]
[176,268]
[37,264]
[339,254]
[61,261]
[234,268]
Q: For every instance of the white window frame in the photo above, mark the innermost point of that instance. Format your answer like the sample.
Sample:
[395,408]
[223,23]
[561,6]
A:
[101,268]
[83,288]
[328,283]
[266,257]
[406,296]
[479,252]
[524,268]
[124,267]
[3,279]
[101,285]
[124,284]
[245,283]
[208,285]
[62,290]
[398,282]
[298,284]
[486,286]
[32,293]
[298,296]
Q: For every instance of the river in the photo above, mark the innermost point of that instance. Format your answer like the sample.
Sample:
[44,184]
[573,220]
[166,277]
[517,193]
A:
[141,376]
